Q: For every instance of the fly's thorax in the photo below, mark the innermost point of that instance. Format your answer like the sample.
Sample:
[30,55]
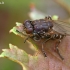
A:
[42,25]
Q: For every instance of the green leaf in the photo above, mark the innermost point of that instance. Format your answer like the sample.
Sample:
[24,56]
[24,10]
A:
[15,54]
[18,30]
[13,30]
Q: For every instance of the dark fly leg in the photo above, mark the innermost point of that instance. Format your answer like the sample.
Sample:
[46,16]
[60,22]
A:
[57,50]
[23,34]
[26,39]
[43,47]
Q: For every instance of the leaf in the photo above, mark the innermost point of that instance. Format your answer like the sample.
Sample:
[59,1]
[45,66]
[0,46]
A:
[35,62]
[15,54]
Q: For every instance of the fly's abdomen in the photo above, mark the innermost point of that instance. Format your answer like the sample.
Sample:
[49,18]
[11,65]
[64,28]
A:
[57,36]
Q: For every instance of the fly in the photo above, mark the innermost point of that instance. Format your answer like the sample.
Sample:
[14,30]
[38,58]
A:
[47,29]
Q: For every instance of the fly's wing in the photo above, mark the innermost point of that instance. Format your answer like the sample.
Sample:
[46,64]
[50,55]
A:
[61,27]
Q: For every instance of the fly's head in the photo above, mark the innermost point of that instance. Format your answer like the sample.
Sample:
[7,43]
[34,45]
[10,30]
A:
[28,27]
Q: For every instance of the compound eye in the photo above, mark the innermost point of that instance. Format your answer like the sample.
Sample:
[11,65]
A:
[28,31]
[27,23]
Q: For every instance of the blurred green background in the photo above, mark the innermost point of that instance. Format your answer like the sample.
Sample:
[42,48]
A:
[17,11]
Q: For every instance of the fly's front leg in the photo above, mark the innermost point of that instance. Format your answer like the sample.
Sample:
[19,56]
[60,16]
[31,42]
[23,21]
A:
[26,39]
[23,34]
[57,50]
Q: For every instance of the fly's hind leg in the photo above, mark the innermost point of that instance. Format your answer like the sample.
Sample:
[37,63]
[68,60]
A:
[57,50]
[43,47]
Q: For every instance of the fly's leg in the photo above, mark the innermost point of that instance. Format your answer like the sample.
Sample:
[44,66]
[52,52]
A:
[57,50]
[43,47]
[23,34]
[26,39]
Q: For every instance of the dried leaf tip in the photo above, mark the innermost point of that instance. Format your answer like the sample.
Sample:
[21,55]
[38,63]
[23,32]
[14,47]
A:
[18,24]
